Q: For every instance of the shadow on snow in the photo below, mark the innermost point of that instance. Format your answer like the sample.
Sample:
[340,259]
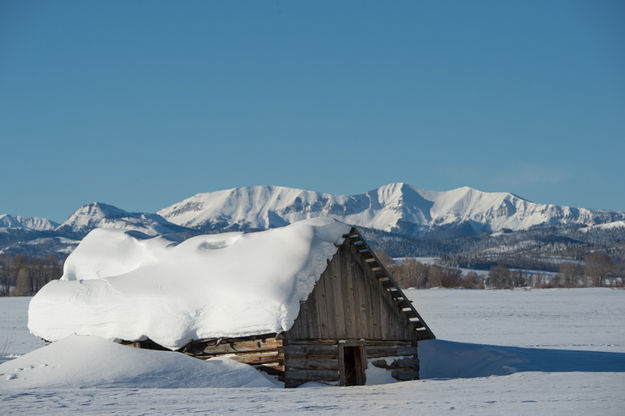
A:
[448,359]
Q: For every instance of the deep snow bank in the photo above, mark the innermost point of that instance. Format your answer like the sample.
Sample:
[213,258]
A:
[86,361]
[233,284]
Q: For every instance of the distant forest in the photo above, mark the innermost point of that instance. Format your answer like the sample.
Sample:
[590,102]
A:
[597,270]
[24,276]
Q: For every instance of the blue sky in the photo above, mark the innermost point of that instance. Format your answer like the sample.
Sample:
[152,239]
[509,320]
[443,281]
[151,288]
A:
[141,104]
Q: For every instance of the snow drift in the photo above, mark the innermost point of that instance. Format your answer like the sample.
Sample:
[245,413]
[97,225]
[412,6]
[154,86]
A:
[222,285]
[79,362]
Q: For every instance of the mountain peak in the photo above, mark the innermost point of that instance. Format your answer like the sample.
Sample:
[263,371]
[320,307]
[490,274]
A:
[100,207]
[29,223]
[102,215]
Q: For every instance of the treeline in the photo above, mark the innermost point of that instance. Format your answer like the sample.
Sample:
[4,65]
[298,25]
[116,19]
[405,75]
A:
[597,270]
[24,276]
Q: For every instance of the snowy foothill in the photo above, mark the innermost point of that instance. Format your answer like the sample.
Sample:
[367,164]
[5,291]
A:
[521,352]
[116,286]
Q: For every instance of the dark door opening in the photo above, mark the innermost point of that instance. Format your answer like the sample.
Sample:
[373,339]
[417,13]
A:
[354,371]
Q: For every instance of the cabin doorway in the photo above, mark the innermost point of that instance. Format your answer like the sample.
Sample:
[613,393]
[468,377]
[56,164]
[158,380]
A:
[352,365]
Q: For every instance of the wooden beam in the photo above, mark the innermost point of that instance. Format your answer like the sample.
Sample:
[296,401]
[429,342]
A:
[258,359]
[312,375]
[314,364]
[311,349]
[390,351]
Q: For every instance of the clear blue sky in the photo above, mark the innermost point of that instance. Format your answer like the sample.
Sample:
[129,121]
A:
[142,104]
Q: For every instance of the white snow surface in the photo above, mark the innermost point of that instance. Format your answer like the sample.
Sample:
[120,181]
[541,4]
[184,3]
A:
[395,207]
[220,285]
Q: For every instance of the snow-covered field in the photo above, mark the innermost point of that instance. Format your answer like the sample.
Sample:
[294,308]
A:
[539,352]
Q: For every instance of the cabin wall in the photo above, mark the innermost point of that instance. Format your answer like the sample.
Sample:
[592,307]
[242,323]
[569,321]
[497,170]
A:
[348,302]
[322,360]
[265,352]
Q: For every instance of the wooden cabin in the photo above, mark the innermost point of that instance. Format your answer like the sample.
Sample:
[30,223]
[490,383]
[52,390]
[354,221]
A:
[355,316]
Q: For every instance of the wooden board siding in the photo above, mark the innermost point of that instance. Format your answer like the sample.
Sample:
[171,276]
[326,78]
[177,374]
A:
[349,302]
[310,360]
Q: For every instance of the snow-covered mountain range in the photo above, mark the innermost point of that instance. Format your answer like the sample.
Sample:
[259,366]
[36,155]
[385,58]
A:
[396,208]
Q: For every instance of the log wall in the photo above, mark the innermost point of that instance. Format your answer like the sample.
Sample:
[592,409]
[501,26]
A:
[309,360]
[265,352]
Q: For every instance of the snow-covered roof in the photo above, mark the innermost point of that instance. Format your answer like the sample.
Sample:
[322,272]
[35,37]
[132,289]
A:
[219,285]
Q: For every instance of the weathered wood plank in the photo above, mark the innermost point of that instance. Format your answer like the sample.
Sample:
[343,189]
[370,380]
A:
[241,346]
[314,363]
[389,351]
[321,356]
[381,342]
[362,315]
[328,289]
[347,293]
[312,375]
[310,349]
[338,298]
[258,359]
[313,341]
[352,294]
[372,308]
[310,329]
[322,309]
